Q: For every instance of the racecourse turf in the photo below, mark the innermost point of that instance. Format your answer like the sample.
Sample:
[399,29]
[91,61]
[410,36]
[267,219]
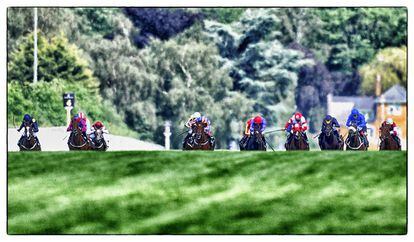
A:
[160,192]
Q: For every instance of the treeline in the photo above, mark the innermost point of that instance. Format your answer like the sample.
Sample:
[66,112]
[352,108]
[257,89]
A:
[137,67]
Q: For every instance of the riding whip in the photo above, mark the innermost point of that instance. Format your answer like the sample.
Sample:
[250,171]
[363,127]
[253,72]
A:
[182,133]
[314,137]
[269,144]
[273,131]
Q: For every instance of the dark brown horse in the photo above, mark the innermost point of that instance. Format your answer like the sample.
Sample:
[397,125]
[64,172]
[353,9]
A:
[387,140]
[76,140]
[297,141]
[328,140]
[99,142]
[28,141]
[354,140]
[256,140]
[198,140]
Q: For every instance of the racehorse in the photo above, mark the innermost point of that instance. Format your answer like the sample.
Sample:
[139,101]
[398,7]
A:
[256,140]
[198,140]
[28,142]
[328,140]
[387,141]
[354,140]
[99,142]
[76,140]
[297,142]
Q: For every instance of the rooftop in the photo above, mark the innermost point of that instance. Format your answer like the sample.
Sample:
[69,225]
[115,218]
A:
[396,94]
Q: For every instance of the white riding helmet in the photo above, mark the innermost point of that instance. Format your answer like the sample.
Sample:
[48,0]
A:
[196,115]
[389,121]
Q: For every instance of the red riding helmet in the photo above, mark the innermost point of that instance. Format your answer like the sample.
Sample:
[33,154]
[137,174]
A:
[98,124]
[298,116]
[257,120]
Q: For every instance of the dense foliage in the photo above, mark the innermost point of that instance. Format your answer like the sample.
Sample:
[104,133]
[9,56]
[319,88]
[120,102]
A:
[151,65]
[390,65]
[158,22]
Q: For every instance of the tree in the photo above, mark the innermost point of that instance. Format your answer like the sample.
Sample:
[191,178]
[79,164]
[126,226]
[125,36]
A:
[159,23]
[261,67]
[390,65]
[314,84]
[222,15]
[56,59]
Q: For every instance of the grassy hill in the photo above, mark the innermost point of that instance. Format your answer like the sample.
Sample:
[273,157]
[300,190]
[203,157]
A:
[207,193]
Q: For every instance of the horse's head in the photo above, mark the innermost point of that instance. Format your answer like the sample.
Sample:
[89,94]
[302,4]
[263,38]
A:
[385,131]
[198,129]
[257,129]
[297,132]
[75,125]
[328,128]
[28,131]
[352,130]
[98,134]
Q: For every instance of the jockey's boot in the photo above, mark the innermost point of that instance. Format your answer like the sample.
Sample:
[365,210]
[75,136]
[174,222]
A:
[306,137]
[212,141]
[186,137]
[37,140]
[396,138]
[366,141]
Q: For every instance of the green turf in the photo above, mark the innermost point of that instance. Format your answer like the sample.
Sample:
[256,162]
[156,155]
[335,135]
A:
[207,193]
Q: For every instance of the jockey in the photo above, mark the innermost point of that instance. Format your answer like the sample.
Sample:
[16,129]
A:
[88,124]
[197,117]
[298,123]
[31,122]
[394,131]
[98,125]
[259,122]
[358,119]
[192,120]
[82,125]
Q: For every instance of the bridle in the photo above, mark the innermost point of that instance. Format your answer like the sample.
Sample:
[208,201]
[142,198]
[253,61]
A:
[352,132]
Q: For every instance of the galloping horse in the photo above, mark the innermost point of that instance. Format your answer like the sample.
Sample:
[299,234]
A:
[329,141]
[76,140]
[198,140]
[256,140]
[354,140]
[387,141]
[297,142]
[99,142]
[28,142]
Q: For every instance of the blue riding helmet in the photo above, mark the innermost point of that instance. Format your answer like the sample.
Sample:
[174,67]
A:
[328,117]
[27,118]
[355,113]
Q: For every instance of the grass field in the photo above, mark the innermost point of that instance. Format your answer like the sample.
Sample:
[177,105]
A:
[207,193]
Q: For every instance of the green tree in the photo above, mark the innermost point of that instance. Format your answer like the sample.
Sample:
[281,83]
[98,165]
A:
[56,59]
[390,65]
[261,67]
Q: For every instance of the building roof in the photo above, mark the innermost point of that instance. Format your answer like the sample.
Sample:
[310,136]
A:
[396,94]
[360,103]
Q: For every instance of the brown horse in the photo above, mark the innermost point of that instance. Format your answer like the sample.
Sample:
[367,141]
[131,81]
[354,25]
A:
[198,140]
[99,142]
[28,141]
[297,141]
[354,140]
[76,140]
[387,141]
